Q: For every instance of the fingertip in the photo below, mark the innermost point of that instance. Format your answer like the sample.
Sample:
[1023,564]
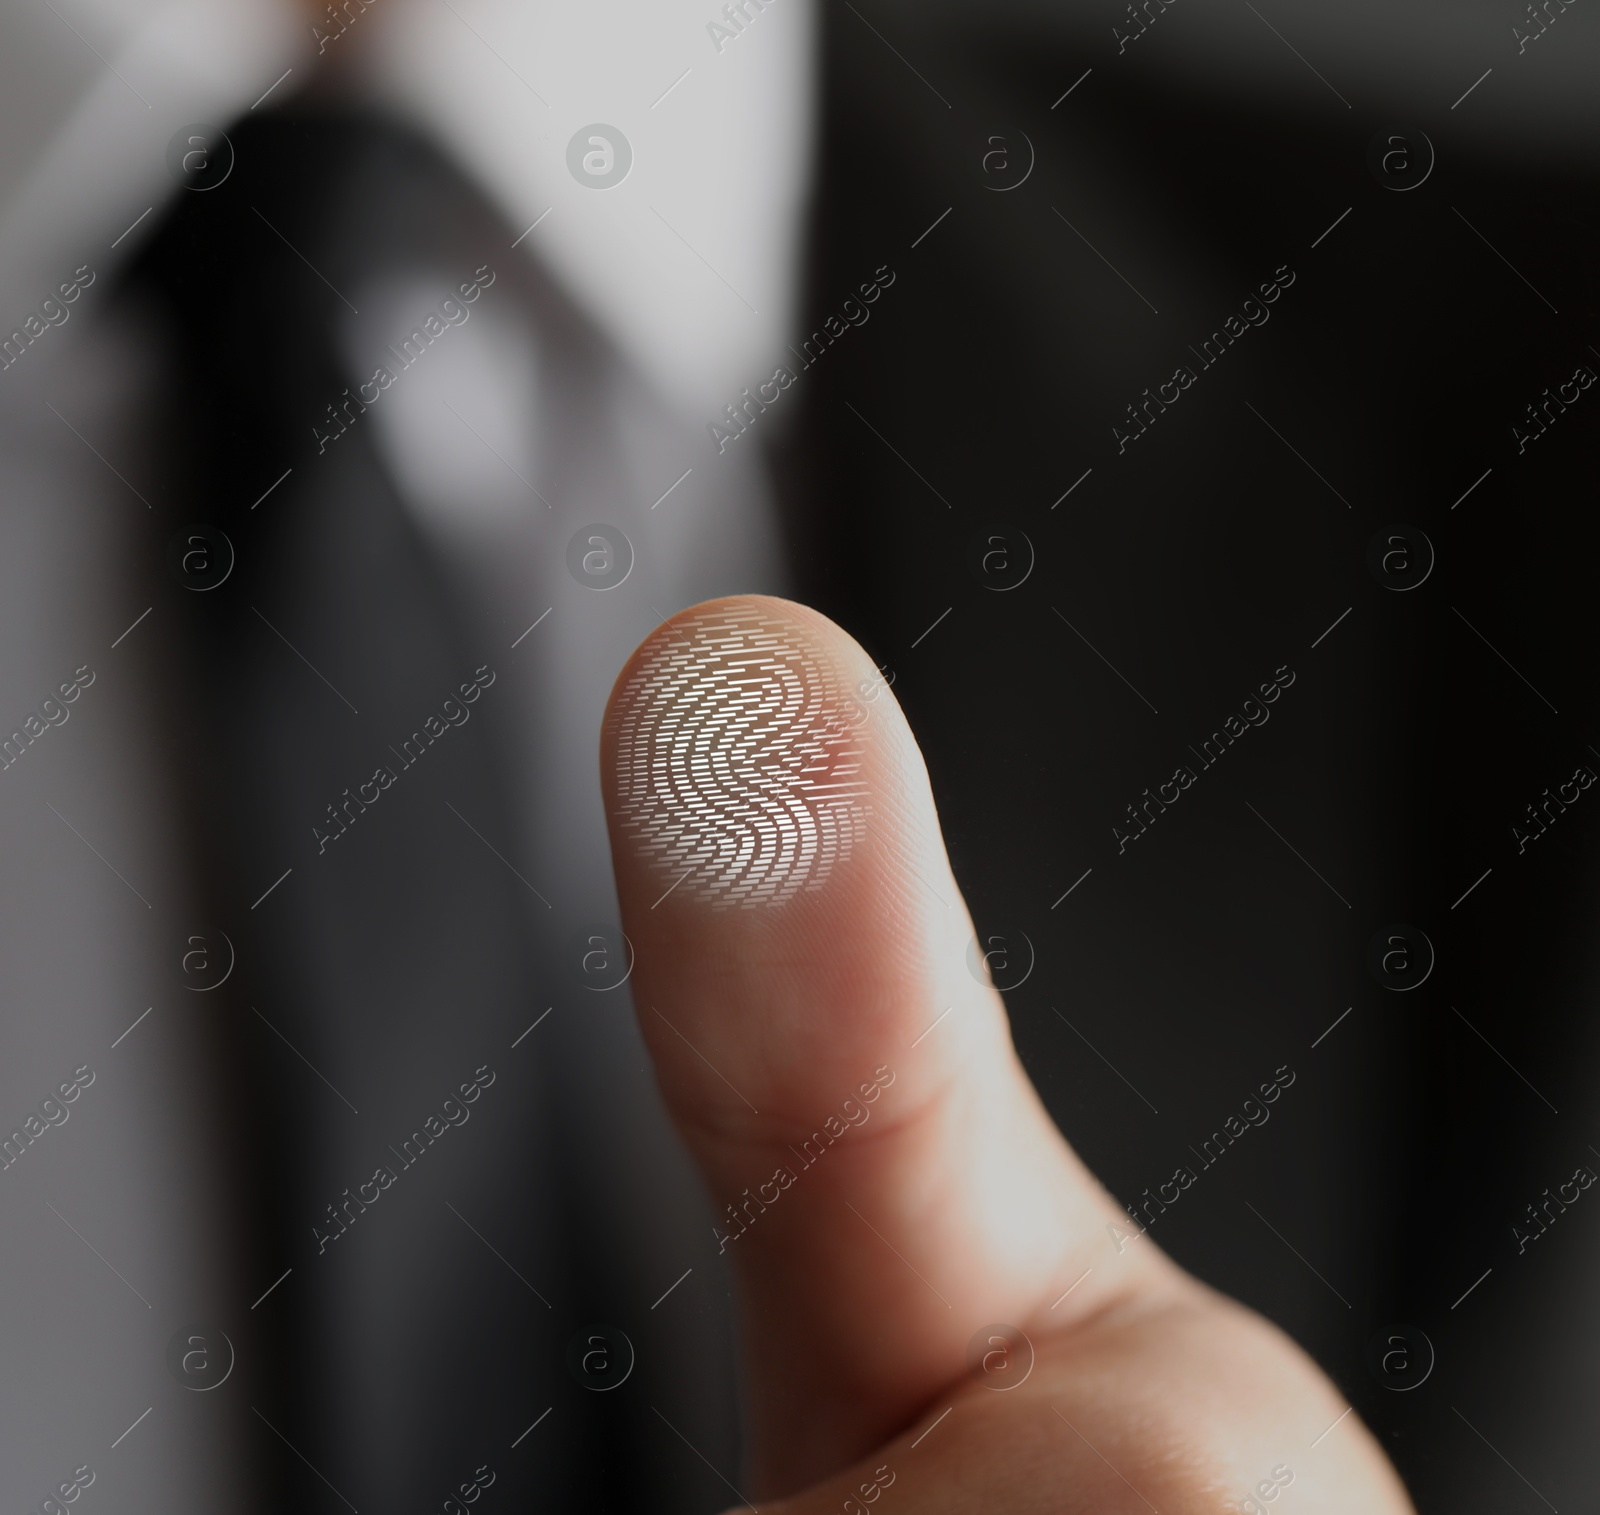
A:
[737,753]
[781,872]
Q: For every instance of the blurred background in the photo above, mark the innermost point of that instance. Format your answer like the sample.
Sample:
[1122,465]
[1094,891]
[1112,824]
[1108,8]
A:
[365,400]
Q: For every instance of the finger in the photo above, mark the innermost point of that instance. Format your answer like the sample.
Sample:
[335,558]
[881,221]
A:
[888,1181]
[1188,1407]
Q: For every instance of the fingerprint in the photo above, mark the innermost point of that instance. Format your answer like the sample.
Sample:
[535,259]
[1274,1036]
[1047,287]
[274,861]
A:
[739,761]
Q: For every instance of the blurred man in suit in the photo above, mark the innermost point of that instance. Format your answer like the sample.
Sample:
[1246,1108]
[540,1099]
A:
[419,364]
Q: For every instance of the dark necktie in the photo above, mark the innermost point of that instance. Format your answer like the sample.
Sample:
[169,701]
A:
[438,1162]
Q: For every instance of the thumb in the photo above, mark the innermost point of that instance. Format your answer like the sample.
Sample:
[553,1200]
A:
[888,1182]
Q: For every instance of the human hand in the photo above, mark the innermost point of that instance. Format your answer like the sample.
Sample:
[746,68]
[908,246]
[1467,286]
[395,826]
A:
[896,1187]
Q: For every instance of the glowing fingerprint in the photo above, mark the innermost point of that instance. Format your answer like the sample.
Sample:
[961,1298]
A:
[739,761]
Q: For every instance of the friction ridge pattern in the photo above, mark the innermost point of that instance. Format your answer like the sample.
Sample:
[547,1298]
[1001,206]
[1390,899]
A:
[738,766]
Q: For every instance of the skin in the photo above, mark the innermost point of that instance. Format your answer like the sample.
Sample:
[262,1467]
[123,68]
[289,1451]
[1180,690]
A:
[1148,1390]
